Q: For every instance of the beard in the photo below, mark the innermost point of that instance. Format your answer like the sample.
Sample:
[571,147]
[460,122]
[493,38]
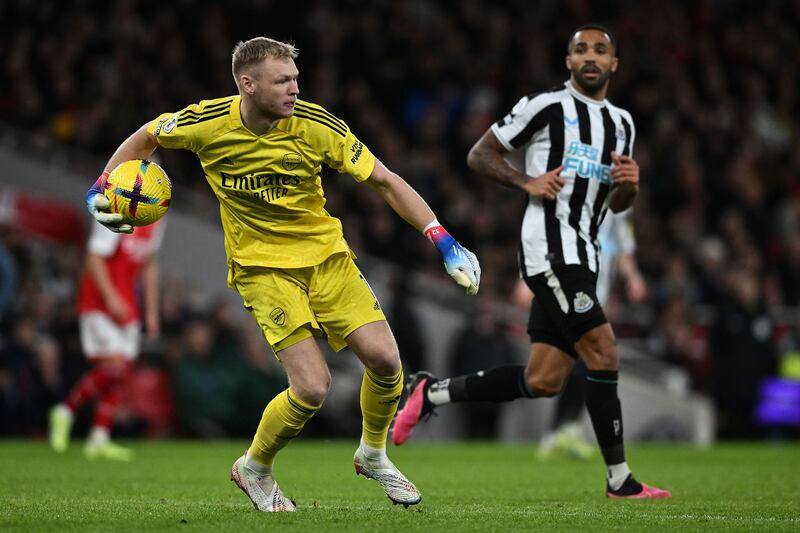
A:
[592,86]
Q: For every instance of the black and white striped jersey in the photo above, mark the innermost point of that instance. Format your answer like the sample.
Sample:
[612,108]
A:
[563,127]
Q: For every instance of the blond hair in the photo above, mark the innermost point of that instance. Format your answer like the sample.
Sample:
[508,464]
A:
[255,50]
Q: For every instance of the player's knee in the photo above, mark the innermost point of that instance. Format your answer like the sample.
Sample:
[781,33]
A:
[313,393]
[384,363]
[544,386]
[598,349]
[313,397]
[602,358]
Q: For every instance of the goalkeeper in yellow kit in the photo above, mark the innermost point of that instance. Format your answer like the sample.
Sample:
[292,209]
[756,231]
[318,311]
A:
[262,153]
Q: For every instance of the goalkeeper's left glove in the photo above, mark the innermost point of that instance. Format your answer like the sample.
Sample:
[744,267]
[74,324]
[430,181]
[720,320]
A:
[460,263]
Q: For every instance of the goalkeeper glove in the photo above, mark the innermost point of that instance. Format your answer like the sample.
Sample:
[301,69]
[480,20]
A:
[97,204]
[460,263]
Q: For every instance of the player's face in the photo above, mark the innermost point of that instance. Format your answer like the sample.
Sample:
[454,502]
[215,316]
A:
[274,86]
[591,60]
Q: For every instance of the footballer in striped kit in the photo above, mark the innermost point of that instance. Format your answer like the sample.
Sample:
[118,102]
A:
[139,190]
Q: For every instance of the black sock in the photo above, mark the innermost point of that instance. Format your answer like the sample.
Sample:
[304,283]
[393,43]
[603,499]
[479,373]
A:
[570,402]
[499,384]
[606,413]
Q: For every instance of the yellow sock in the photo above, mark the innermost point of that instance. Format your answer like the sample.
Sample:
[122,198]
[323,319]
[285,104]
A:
[379,398]
[282,420]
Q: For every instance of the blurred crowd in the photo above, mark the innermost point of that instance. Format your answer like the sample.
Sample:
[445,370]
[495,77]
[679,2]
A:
[712,86]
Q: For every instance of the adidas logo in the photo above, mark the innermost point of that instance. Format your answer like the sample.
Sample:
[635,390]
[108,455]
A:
[391,401]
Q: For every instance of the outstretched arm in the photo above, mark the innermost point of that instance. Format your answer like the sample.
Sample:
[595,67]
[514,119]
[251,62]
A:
[461,264]
[400,196]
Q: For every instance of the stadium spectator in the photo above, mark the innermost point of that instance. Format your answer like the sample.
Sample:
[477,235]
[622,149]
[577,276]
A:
[744,352]
[20,397]
[8,277]
[218,390]
[206,400]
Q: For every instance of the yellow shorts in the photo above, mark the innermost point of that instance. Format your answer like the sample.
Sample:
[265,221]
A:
[293,304]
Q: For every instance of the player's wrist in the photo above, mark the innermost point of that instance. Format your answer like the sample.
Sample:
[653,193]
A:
[521,181]
[436,233]
[95,189]
[101,181]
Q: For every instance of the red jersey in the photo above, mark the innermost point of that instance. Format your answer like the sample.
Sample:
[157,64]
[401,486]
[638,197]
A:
[125,256]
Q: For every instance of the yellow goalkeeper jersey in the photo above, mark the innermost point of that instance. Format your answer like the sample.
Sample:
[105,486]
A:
[269,188]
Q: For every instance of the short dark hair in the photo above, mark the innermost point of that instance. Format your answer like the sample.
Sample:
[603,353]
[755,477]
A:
[597,27]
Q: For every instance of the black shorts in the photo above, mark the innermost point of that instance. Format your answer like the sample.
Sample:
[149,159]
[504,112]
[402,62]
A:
[564,306]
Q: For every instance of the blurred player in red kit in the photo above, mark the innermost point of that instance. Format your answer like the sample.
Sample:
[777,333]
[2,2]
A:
[110,318]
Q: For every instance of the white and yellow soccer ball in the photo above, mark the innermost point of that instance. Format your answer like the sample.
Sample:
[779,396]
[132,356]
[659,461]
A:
[139,190]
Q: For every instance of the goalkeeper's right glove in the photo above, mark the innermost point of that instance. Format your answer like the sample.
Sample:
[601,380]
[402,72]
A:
[97,204]
[460,263]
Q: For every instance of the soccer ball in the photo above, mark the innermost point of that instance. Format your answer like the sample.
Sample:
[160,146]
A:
[139,190]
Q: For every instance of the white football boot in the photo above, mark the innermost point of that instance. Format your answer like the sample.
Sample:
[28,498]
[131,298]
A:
[262,490]
[399,489]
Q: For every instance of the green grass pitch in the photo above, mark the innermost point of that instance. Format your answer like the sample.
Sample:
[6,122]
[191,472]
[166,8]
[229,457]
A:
[184,486]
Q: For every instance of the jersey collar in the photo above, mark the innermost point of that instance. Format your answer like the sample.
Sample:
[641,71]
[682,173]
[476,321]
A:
[236,113]
[585,99]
